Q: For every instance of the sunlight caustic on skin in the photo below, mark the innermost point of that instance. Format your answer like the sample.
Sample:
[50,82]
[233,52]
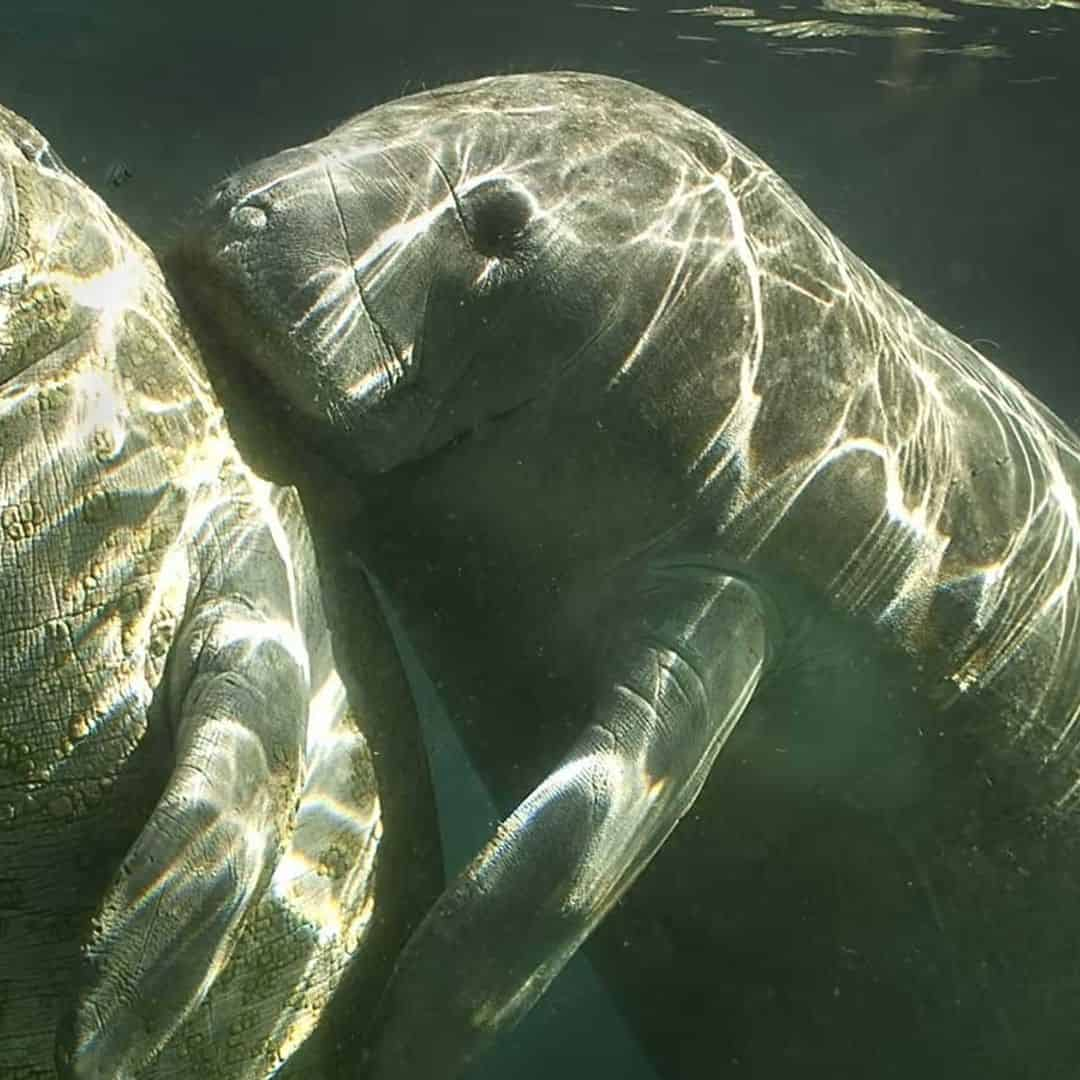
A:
[656,418]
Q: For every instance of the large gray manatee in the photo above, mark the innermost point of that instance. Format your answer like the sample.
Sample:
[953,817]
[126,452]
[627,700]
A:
[187,784]
[696,522]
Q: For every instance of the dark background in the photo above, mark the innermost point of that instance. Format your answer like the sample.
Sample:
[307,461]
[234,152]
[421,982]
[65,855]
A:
[950,161]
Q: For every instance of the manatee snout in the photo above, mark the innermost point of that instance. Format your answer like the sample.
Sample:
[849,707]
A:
[230,217]
[228,274]
[320,274]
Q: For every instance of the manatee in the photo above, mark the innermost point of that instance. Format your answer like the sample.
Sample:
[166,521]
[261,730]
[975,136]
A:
[751,589]
[197,849]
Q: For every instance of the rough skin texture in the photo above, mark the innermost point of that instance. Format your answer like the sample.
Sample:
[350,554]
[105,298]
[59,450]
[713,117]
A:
[162,643]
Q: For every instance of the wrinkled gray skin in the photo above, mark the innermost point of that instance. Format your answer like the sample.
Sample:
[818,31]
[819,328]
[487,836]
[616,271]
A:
[190,825]
[675,489]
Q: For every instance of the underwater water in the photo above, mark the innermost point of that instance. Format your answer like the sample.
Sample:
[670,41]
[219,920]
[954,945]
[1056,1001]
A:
[941,142]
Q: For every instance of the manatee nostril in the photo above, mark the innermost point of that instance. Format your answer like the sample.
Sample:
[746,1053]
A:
[247,217]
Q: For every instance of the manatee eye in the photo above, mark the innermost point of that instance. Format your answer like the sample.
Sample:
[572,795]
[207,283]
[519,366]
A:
[496,215]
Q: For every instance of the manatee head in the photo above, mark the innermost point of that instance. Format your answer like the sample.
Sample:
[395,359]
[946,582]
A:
[62,263]
[442,261]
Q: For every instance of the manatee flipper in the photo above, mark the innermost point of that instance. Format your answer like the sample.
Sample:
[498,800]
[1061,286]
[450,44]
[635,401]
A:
[685,662]
[238,697]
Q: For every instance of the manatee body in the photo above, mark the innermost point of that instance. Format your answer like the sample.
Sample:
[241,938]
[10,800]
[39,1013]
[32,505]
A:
[194,850]
[695,521]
